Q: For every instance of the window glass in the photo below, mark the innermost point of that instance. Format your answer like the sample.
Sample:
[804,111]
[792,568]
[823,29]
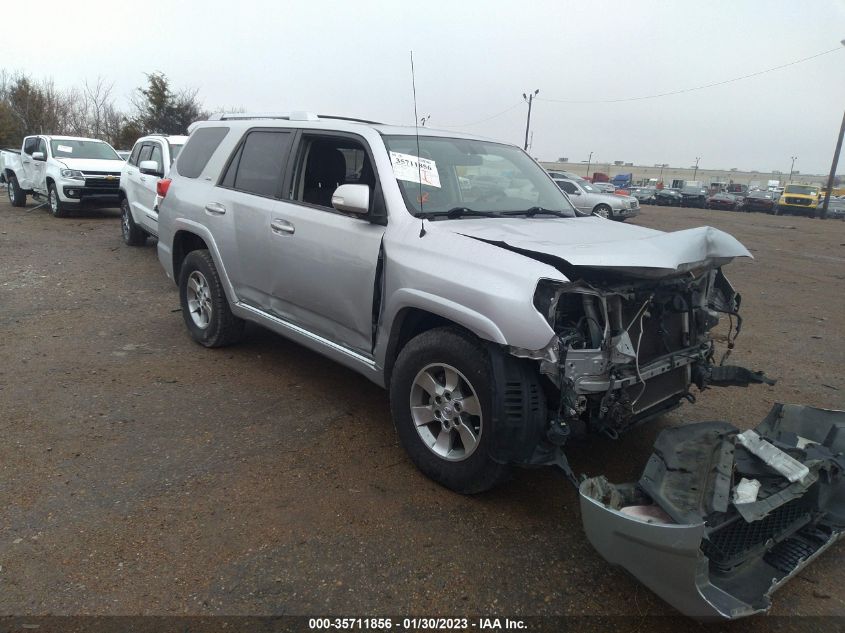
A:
[438,174]
[567,186]
[260,163]
[229,178]
[325,163]
[75,148]
[198,150]
[156,156]
[42,146]
[29,145]
[174,151]
[146,151]
[133,159]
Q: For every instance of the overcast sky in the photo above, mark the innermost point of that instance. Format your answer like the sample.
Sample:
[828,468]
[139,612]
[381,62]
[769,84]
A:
[474,60]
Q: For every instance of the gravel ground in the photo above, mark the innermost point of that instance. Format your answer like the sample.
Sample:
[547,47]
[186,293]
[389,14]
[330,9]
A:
[143,474]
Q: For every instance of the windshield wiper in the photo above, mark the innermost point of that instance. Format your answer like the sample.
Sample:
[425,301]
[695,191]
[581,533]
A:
[531,212]
[457,212]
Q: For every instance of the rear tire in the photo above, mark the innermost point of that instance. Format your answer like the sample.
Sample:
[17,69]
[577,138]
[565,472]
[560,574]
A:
[133,235]
[445,375]
[55,202]
[16,195]
[205,307]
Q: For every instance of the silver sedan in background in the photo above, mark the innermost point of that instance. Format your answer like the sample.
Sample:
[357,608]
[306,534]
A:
[589,200]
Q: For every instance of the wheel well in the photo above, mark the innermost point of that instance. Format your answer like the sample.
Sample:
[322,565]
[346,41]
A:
[185,242]
[50,181]
[410,322]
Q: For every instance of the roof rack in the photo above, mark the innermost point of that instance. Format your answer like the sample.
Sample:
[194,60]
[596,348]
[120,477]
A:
[292,116]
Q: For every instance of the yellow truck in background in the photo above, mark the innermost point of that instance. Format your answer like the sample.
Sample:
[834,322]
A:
[798,200]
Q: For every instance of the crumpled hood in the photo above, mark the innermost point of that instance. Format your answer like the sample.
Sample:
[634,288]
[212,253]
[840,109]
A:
[92,164]
[604,244]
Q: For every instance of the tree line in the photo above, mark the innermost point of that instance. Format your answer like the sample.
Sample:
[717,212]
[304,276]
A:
[37,106]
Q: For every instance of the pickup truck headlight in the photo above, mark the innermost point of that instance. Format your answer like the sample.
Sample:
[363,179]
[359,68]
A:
[72,174]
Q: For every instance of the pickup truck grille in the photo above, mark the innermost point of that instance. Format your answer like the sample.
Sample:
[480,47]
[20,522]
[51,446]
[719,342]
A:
[800,201]
[102,180]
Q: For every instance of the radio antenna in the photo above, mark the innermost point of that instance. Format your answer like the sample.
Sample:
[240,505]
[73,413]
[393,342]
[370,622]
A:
[417,134]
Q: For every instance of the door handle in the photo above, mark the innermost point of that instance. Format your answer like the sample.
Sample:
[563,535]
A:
[143,179]
[215,208]
[131,173]
[282,227]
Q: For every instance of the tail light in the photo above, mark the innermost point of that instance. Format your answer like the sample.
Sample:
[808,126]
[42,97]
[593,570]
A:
[162,186]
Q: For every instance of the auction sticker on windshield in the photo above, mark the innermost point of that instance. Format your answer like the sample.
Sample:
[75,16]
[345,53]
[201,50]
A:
[414,169]
[65,148]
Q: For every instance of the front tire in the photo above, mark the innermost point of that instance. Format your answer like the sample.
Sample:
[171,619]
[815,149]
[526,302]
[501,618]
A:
[441,401]
[205,308]
[603,211]
[16,195]
[133,234]
[55,202]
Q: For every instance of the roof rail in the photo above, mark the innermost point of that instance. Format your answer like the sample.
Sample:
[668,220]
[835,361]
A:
[292,116]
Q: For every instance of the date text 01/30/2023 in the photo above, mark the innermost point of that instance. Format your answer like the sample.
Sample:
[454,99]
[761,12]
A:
[415,624]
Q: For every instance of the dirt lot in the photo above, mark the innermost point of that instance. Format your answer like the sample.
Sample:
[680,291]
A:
[141,473]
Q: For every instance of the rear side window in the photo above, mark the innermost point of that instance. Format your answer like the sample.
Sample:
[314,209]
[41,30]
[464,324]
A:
[156,156]
[258,164]
[199,149]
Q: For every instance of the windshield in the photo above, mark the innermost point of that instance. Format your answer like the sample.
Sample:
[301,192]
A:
[802,190]
[470,175]
[67,148]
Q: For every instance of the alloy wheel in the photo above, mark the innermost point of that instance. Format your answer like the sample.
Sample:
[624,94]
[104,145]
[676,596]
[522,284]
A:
[446,412]
[199,299]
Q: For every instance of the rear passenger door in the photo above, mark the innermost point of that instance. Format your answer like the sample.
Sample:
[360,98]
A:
[249,191]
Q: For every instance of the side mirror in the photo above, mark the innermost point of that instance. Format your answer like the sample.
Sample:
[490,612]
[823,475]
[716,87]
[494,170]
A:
[150,167]
[352,199]
[38,156]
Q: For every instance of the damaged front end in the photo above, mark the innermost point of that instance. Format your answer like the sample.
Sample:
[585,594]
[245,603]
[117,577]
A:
[720,518]
[628,350]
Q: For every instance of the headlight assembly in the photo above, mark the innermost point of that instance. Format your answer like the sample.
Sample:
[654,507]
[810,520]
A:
[72,174]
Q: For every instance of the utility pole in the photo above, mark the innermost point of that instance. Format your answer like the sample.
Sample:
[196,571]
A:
[529,99]
[695,172]
[792,167]
[589,160]
[834,163]
[833,166]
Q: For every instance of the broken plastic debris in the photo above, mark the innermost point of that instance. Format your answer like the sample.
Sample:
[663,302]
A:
[790,468]
[649,514]
[746,491]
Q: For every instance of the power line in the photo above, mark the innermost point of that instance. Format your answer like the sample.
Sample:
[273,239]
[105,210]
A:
[490,118]
[683,90]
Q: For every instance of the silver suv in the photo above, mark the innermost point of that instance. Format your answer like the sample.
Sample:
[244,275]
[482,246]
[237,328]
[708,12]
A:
[449,269]
[454,272]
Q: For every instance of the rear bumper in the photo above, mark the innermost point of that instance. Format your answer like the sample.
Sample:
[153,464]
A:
[682,532]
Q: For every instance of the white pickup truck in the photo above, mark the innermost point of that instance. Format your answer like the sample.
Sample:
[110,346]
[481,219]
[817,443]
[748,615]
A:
[69,171]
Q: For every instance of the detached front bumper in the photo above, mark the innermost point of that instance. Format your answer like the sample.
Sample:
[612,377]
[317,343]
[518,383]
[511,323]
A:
[691,531]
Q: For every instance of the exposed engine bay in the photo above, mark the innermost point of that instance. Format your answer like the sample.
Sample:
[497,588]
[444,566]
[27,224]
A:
[629,350]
